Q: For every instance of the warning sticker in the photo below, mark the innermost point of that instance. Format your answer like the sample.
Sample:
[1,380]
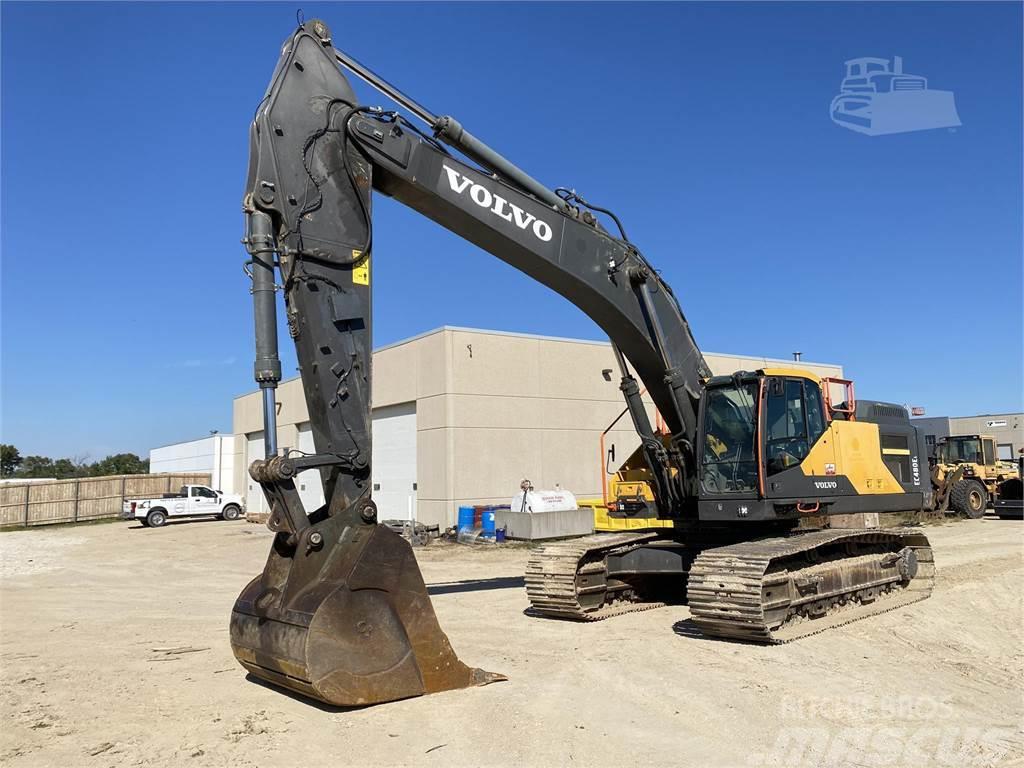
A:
[361,269]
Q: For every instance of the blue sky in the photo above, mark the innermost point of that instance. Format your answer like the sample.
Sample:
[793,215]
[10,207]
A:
[126,318]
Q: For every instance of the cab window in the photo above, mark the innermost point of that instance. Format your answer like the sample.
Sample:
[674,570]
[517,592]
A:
[729,461]
[198,490]
[990,454]
[787,418]
[815,412]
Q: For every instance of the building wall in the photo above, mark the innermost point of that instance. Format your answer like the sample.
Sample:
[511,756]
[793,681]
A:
[216,454]
[1006,428]
[493,408]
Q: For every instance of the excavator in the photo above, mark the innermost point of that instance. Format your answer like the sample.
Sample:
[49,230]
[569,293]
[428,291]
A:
[747,471]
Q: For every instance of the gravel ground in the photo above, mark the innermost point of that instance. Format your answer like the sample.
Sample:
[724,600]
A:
[114,651]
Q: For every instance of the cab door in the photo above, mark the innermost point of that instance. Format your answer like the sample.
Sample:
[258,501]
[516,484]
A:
[796,438]
[202,501]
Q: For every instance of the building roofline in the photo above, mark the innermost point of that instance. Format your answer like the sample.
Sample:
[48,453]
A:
[768,361]
[197,439]
[1012,414]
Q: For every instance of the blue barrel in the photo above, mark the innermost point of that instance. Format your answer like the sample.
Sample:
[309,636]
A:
[465,519]
[487,523]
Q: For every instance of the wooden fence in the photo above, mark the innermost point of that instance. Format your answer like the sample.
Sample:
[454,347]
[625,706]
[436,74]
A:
[83,498]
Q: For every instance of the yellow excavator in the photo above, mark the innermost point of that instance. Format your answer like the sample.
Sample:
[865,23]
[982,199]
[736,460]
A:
[340,612]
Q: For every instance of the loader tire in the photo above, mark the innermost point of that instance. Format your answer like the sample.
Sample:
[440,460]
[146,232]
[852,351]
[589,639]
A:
[156,518]
[969,497]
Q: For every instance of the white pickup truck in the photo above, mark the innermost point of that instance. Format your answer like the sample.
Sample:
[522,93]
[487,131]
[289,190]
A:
[191,501]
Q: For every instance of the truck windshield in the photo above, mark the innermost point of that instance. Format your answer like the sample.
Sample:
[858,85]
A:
[962,449]
[729,462]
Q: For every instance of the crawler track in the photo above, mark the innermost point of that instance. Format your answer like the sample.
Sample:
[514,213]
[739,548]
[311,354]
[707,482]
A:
[777,590]
[565,580]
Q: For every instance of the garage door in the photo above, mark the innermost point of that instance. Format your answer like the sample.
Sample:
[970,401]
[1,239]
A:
[394,461]
[254,500]
[309,484]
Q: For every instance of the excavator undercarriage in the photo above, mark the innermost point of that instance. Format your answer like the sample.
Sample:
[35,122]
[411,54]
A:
[770,590]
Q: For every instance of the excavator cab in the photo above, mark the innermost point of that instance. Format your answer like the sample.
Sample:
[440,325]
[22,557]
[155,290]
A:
[776,445]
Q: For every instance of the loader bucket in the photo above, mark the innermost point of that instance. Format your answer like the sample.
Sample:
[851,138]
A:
[349,624]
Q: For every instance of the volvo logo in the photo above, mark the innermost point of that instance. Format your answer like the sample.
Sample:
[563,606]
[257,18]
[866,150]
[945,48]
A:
[497,205]
[825,484]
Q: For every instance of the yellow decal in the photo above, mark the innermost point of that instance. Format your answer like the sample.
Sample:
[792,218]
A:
[361,269]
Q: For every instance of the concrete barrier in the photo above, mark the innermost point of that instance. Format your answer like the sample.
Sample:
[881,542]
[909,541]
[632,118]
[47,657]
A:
[536,526]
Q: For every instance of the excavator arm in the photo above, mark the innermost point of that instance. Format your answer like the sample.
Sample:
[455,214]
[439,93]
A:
[315,155]
[340,612]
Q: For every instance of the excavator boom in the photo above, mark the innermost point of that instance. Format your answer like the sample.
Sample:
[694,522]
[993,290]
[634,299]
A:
[340,612]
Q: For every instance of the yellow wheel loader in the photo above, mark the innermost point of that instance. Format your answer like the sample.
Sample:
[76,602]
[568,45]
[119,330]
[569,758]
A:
[980,475]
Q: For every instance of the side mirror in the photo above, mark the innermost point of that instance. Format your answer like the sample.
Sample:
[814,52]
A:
[610,460]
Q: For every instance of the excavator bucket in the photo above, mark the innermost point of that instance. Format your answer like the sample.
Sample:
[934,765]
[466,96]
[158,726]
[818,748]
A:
[349,625]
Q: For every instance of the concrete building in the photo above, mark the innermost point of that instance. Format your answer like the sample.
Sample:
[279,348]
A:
[1006,428]
[461,416]
[217,454]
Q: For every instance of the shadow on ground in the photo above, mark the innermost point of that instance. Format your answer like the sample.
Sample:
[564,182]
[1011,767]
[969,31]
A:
[315,703]
[477,585]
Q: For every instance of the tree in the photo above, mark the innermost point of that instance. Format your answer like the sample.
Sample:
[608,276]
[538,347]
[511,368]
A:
[76,466]
[37,466]
[120,464]
[63,468]
[10,460]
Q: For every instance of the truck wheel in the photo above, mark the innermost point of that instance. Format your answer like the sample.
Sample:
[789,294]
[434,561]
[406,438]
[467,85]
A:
[230,512]
[156,518]
[970,498]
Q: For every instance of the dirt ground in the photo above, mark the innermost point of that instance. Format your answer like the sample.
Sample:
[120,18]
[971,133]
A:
[90,614]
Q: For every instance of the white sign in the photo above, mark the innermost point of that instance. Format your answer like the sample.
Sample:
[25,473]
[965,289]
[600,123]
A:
[997,423]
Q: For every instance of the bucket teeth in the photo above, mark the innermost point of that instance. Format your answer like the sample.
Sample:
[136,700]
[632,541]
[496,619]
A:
[349,625]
